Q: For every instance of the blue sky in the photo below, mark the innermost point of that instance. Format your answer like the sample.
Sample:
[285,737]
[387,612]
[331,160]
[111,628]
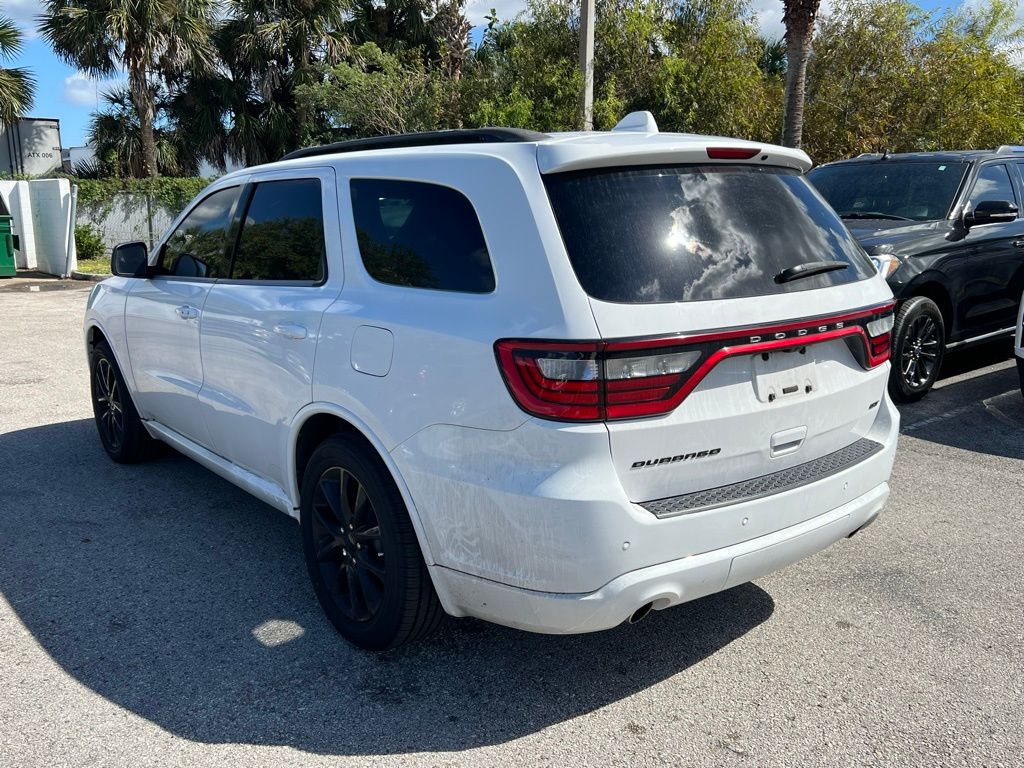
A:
[70,96]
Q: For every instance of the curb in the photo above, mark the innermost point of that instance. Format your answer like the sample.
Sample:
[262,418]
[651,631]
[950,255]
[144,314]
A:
[76,275]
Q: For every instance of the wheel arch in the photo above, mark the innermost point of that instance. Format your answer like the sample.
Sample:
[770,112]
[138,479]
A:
[319,421]
[930,288]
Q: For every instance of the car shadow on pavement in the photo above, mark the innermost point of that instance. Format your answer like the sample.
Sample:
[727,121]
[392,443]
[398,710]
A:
[983,413]
[175,595]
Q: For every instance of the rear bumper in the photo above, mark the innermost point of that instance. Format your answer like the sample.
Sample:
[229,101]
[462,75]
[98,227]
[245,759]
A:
[663,585]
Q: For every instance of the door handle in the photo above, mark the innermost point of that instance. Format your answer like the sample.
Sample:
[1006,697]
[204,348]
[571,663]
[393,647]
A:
[1019,242]
[290,331]
[186,312]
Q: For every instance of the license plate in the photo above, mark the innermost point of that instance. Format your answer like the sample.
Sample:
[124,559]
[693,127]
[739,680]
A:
[784,375]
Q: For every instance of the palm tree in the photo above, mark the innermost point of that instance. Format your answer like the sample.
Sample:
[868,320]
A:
[17,86]
[116,135]
[798,17]
[450,28]
[394,25]
[152,40]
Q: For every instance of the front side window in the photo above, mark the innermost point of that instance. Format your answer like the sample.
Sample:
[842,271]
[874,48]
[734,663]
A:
[910,190]
[198,247]
[993,183]
[282,236]
[697,232]
[420,235]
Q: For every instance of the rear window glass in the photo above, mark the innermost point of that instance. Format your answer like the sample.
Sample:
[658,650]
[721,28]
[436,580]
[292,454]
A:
[918,190]
[693,233]
[420,235]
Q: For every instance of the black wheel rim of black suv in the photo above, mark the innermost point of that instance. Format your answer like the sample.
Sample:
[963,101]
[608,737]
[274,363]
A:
[108,404]
[920,352]
[348,546]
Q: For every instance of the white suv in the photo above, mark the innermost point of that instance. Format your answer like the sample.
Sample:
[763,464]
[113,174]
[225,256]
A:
[550,381]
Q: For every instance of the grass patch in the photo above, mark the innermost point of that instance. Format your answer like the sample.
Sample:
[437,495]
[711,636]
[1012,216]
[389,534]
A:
[94,266]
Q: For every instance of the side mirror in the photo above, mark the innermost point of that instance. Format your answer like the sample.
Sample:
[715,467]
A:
[130,260]
[991,212]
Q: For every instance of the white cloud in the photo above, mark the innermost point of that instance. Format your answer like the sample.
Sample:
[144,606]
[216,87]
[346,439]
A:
[24,13]
[80,90]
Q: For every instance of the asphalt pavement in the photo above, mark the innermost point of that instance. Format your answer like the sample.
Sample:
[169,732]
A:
[156,615]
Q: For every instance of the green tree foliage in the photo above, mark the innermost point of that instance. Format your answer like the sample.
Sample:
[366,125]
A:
[879,74]
[116,136]
[377,93]
[151,40]
[886,75]
[17,86]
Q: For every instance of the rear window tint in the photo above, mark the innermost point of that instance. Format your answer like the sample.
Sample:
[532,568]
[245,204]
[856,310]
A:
[694,233]
[420,235]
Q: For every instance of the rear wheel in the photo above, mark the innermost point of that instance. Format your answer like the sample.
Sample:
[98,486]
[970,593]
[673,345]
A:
[121,431]
[361,550]
[919,344]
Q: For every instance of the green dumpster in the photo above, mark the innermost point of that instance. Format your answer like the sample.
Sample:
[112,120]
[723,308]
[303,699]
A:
[8,242]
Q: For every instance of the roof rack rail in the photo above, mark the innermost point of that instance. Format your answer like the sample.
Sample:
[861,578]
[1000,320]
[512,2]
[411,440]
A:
[424,139]
[1009,149]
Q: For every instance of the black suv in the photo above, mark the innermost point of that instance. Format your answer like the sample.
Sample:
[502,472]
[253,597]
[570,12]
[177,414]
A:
[945,230]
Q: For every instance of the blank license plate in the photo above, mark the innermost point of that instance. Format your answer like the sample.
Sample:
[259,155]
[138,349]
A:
[784,375]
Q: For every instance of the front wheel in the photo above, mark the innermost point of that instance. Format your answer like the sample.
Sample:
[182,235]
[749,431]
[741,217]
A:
[918,346]
[121,431]
[361,550]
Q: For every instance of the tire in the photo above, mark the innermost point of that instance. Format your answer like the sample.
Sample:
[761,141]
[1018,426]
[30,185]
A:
[121,431]
[370,580]
[918,348]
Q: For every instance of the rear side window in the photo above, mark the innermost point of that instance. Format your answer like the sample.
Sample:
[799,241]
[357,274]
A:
[198,247]
[993,183]
[282,235]
[693,233]
[420,235]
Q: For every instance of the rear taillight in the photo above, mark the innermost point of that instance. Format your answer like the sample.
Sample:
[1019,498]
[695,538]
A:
[880,337]
[608,380]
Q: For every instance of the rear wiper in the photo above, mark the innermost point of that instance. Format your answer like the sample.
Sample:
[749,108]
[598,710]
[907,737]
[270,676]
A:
[872,215]
[809,269]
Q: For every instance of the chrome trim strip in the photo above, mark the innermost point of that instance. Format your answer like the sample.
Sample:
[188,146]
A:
[1006,331]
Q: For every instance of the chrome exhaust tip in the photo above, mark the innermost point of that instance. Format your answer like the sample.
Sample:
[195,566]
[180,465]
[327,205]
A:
[640,613]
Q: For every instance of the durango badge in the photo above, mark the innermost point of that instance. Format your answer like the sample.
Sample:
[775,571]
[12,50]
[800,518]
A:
[674,459]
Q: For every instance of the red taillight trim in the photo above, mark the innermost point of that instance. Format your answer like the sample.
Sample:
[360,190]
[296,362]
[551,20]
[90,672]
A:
[603,399]
[732,153]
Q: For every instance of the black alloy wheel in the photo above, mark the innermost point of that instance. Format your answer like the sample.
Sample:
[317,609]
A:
[348,544]
[920,356]
[362,554]
[109,410]
[918,347]
[122,433]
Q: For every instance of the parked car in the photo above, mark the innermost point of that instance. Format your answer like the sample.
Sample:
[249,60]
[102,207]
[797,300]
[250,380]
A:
[945,230]
[1018,345]
[553,382]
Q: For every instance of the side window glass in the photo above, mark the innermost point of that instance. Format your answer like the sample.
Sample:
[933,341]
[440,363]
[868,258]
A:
[420,235]
[197,248]
[993,183]
[282,235]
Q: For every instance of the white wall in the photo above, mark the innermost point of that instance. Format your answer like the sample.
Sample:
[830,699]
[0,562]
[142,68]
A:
[42,219]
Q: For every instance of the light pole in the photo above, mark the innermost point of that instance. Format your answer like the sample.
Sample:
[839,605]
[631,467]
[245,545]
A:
[587,63]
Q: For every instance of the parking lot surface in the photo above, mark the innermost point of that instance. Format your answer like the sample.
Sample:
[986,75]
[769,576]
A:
[156,615]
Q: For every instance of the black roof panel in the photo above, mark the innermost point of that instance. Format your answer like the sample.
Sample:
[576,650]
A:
[953,156]
[424,139]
